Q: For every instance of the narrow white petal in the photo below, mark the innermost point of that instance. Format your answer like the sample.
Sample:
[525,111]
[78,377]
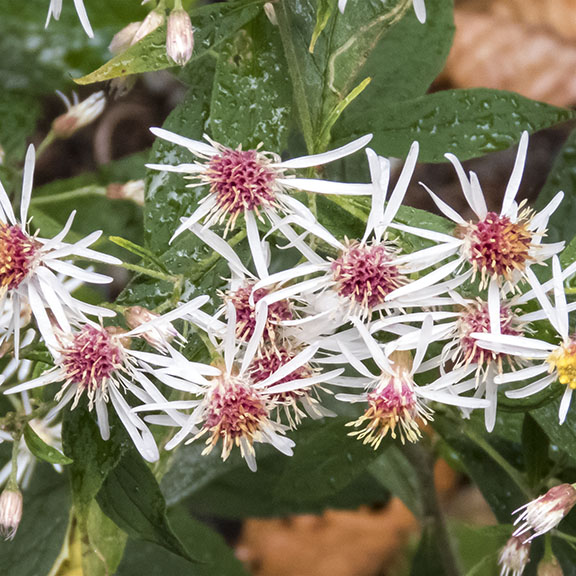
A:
[528,344]
[27,181]
[516,176]
[565,404]
[81,10]
[230,338]
[256,248]
[423,233]
[494,306]
[285,370]
[261,315]
[524,374]
[560,299]
[373,346]
[77,272]
[540,221]
[420,10]
[533,388]
[326,187]
[326,157]
[195,146]
[102,417]
[198,214]
[444,208]
[304,382]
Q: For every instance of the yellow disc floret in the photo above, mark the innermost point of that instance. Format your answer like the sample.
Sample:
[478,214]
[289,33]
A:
[563,360]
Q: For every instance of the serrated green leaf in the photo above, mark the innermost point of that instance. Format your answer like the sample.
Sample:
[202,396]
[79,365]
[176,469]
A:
[562,177]
[42,531]
[467,123]
[131,497]
[213,24]
[217,559]
[250,103]
[42,450]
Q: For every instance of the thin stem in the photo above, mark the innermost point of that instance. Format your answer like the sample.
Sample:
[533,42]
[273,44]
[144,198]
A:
[71,195]
[12,483]
[422,461]
[148,272]
[50,137]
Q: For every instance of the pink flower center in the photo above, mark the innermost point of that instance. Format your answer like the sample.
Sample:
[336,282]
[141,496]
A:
[365,274]
[496,246]
[476,318]
[246,312]
[241,181]
[17,251]
[269,361]
[236,412]
[91,358]
[393,406]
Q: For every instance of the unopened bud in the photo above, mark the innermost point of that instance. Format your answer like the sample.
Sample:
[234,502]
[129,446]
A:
[118,332]
[158,335]
[550,567]
[2,155]
[271,13]
[180,37]
[124,38]
[149,24]
[10,512]
[131,190]
[514,557]
[546,512]
[79,114]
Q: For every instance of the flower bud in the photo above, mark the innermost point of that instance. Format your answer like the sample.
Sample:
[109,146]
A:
[180,37]
[124,38]
[546,512]
[149,24]
[158,335]
[131,190]
[79,114]
[514,557]
[271,13]
[550,567]
[10,512]
[2,155]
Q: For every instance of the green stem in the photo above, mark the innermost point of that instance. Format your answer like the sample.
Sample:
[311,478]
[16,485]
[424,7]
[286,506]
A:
[72,195]
[50,137]
[12,483]
[422,461]
[151,273]
[295,68]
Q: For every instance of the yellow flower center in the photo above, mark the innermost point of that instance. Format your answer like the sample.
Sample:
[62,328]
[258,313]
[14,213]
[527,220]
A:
[563,360]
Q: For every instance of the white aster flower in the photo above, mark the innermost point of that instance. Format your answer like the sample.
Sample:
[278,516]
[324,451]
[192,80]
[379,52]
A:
[55,10]
[97,361]
[232,406]
[367,272]
[552,362]
[396,403]
[29,266]
[499,248]
[546,512]
[419,8]
[254,184]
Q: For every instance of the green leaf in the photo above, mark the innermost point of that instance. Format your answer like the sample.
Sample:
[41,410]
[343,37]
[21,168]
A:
[561,435]
[323,80]
[42,531]
[427,558]
[393,470]
[562,177]
[535,446]
[131,497]
[167,198]
[467,123]
[144,253]
[324,10]
[217,559]
[42,450]
[325,460]
[250,103]
[93,458]
[213,25]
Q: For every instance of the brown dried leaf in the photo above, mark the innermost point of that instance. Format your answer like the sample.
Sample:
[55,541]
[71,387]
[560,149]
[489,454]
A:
[500,52]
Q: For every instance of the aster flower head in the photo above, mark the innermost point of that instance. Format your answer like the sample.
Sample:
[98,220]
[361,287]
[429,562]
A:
[499,248]
[97,363]
[396,404]
[55,10]
[551,362]
[32,268]
[514,557]
[253,183]
[232,408]
[546,512]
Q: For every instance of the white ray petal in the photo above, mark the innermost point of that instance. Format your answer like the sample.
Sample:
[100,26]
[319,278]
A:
[532,388]
[27,181]
[326,187]
[195,146]
[516,176]
[444,208]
